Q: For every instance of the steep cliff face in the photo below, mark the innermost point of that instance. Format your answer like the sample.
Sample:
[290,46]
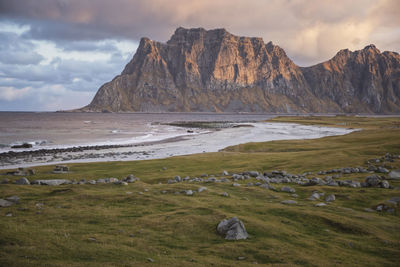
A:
[362,81]
[199,70]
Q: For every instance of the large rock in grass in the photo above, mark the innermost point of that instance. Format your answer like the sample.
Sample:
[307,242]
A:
[394,174]
[232,229]
[5,203]
[372,180]
[52,182]
[22,181]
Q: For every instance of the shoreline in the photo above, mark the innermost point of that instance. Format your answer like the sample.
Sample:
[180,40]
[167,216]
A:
[211,141]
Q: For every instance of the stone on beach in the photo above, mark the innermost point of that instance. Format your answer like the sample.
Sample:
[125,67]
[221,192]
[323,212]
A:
[232,229]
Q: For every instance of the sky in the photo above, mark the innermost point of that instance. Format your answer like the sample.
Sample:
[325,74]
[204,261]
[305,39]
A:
[55,54]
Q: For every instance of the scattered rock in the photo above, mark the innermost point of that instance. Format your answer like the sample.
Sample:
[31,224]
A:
[225,194]
[320,204]
[53,182]
[5,181]
[236,184]
[395,174]
[14,199]
[289,202]
[372,180]
[9,214]
[330,198]
[232,229]
[385,184]
[5,203]
[225,173]
[61,169]
[382,170]
[314,196]
[23,181]
[150,260]
[288,189]
[201,189]
[267,186]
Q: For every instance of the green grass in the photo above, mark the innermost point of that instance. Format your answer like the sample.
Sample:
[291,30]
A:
[103,225]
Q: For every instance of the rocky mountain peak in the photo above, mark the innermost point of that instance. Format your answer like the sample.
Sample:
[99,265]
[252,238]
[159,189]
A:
[216,71]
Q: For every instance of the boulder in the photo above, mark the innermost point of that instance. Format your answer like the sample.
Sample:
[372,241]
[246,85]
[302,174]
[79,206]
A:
[385,184]
[267,186]
[394,174]
[225,194]
[5,203]
[5,181]
[232,229]
[53,182]
[372,180]
[330,198]
[314,196]
[130,178]
[201,189]
[289,202]
[320,204]
[225,173]
[189,192]
[288,189]
[382,170]
[236,184]
[253,173]
[14,199]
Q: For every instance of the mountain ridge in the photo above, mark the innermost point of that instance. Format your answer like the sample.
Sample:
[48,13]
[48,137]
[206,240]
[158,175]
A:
[200,70]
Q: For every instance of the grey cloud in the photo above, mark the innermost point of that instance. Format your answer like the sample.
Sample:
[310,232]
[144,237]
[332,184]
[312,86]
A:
[14,50]
[316,28]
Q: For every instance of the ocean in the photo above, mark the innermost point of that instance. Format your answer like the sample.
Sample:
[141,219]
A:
[134,136]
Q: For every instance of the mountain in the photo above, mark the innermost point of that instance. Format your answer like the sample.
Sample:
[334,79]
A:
[215,71]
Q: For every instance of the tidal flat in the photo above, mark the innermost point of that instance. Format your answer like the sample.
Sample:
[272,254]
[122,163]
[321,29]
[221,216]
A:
[155,221]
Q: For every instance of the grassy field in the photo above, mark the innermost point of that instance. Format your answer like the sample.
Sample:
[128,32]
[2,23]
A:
[115,225]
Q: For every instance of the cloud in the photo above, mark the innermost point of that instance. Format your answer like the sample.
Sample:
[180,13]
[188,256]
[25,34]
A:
[9,93]
[43,75]
[78,45]
[14,50]
[317,27]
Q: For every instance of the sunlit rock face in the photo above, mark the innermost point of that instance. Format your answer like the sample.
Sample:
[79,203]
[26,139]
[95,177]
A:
[215,71]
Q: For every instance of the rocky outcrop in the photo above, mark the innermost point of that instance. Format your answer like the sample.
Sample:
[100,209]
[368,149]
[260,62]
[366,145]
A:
[200,70]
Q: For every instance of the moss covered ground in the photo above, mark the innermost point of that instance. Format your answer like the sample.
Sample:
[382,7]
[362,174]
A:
[115,225]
